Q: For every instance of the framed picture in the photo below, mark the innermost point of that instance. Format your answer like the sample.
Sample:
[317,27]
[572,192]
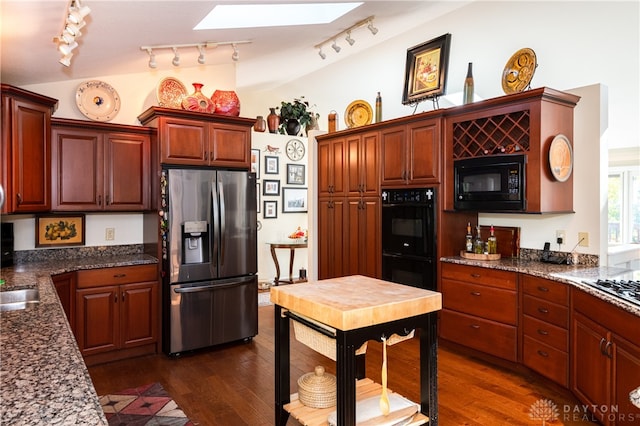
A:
[60,230]
[426,70]
[257,197]
[294,200]
[255,162]
[270,209]
[271,187]
[271,165]
[295,174]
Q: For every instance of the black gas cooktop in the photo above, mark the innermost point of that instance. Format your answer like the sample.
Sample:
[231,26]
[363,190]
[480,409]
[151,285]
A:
[628,290]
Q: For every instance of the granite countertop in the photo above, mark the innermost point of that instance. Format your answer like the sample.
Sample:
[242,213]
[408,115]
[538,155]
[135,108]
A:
[43,378]
[574,275]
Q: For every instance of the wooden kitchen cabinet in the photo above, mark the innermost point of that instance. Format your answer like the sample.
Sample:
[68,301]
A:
[521,123]
[545,327]
[410,153]
[199,139]
[605,356]
[104,167]
[25,151]
[362,164]
[469,317]
[65,285]
[363,238]
[117,312]
[332,217]
[331,160]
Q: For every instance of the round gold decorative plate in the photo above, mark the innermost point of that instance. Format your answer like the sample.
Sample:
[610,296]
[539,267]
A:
[358,113]
[561,158]
[170,93]
[518,71]
[97,100]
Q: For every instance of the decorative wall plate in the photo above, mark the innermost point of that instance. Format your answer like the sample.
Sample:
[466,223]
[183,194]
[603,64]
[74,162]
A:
[561,158]
[170,93]
[358,113]
[518,71]
[97,100]
[295,150]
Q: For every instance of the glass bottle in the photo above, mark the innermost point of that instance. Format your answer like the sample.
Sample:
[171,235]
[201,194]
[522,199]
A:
[492,242]
[378,108]
[478,245]
[467,96]
[469,238]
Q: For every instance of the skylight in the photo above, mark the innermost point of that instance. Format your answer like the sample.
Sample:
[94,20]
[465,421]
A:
[273,15]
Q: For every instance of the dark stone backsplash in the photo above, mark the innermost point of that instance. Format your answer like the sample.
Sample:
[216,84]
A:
[26,256]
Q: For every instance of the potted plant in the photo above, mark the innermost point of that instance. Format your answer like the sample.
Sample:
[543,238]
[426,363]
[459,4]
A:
[293,115]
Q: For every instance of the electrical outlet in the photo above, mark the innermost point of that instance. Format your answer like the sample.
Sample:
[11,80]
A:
[110,234]
[560,236]
[583,239]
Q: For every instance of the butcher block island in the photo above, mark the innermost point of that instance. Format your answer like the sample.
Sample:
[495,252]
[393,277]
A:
[353,310]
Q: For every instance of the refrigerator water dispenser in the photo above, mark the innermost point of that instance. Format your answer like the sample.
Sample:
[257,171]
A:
[194,240]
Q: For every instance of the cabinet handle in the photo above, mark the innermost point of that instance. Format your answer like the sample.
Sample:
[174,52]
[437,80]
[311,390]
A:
[603,340]
[19,198]
[475,275]
[475,293]
[543,332]
[475,326]
[119,275]
[123,296]
[543,289]
[106,200]
[607,352]
[99,200]
[543,353]
[115,298]
[543,310]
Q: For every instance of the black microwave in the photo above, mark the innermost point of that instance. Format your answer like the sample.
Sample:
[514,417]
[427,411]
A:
[492,183]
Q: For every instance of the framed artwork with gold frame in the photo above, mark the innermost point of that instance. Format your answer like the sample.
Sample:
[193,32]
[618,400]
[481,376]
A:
[426,70]
[60,230]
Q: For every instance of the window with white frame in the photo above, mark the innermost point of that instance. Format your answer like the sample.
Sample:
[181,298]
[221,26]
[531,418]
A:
[624,205]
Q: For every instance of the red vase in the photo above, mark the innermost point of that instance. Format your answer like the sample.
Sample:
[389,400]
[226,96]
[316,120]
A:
[198,101]
[226,102]
[273,121]
[260,125]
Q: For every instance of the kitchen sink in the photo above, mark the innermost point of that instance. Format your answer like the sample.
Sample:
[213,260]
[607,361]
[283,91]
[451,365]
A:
[13,300]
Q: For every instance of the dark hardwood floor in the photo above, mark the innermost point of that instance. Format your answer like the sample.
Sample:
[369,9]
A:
[233,384]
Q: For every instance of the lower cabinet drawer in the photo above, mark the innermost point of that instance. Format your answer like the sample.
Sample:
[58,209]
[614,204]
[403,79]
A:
[546,311]
[117,275]
[546,360]
[477,333]
[554,336]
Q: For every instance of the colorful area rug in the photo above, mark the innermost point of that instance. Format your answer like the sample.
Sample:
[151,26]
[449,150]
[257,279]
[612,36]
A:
[146,405]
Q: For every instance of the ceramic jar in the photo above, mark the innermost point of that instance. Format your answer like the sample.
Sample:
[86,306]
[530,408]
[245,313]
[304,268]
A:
[197,101]
[226,102]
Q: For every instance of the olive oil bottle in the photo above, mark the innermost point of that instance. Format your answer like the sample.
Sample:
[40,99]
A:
[492,242]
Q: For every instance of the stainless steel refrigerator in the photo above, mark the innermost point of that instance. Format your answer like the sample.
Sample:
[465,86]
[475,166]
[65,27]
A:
[209,237]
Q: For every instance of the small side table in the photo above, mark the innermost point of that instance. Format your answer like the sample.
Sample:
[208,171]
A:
[292,246]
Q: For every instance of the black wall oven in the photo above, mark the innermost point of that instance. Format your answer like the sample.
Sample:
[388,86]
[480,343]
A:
[409,237]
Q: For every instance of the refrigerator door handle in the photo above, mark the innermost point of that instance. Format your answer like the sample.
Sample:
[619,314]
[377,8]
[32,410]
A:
[223,223]
[213,234]
[207,287]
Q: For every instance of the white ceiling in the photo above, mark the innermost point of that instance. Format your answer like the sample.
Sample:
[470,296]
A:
[115,30]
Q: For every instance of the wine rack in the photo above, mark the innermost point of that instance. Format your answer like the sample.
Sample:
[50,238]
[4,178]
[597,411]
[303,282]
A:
[497,134]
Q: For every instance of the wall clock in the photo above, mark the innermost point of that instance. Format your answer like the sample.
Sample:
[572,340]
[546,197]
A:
[295,150]
[97,100]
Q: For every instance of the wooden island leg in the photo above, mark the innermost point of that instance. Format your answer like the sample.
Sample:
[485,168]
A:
[346,380]
[282,368]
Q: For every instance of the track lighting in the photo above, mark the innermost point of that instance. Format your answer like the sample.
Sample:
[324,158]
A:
[74,21]
[334,40]
[349,39]
[152,59]
[176,57]
[201,47]
[236,54]
[373,29]
[201,60]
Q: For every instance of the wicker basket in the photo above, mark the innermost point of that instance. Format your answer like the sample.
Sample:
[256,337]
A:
[318,341]
[317,389]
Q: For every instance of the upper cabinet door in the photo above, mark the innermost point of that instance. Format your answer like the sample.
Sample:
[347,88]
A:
[183,141]
[127,166]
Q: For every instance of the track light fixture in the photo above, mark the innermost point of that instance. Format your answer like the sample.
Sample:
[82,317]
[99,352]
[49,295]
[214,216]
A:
[349,39]
[373,29]
[201,47]
[236,54]
[333,40]
[176,57]
[74,21]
